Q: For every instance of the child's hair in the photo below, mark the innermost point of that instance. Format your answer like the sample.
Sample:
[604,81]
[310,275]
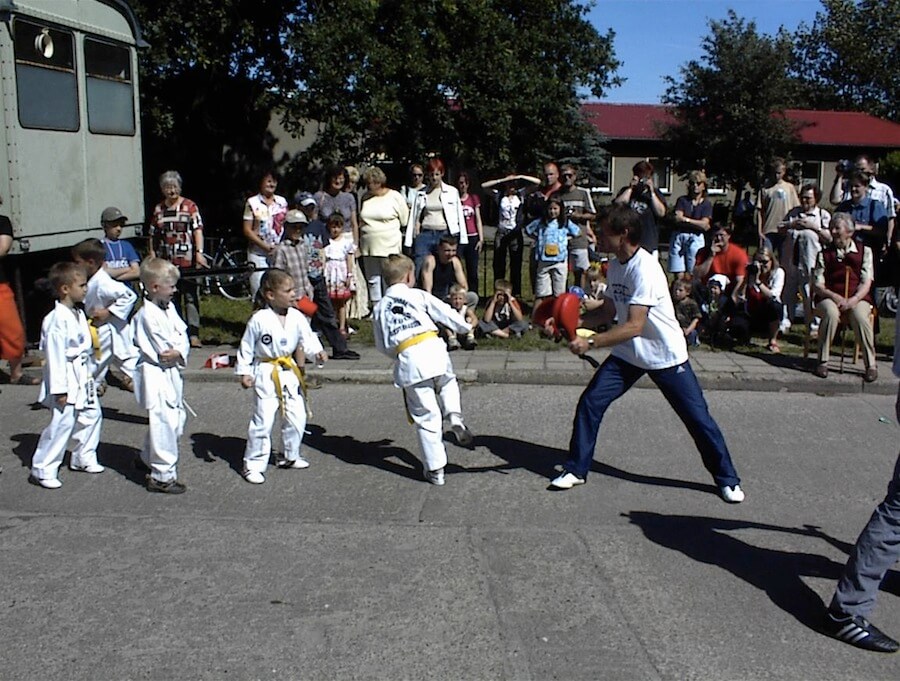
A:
[63,274]
[458,289]
[155,270]
[678,284]
[766,252]
[270,281]
[594,272]
[503,285]
[335,220]
[396,268]
[89,249]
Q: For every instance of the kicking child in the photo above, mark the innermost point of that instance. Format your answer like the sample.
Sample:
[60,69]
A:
[108,304]
[276,342]
[405,329]
[162,342]
[68,387]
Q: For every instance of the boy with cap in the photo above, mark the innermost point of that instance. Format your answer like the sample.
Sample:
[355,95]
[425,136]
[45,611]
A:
[315,235]
[122,262]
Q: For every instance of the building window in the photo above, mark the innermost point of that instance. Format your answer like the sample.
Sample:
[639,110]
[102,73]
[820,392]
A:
[715,186]
[110,89]
[662,174]
[46,86]
[811,173]
[601,176]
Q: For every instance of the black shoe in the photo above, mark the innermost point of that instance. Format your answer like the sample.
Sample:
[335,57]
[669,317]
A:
[858,632]
[171,487]
[346,354]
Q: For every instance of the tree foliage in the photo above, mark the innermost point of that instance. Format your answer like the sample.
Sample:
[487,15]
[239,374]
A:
[850,57]
[492,84]
[727,107]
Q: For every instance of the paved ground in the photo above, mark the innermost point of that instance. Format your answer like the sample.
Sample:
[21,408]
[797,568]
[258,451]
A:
[355,568]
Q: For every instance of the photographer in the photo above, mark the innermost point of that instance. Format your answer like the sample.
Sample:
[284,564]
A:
[759,294]
[642,196]
[503,314]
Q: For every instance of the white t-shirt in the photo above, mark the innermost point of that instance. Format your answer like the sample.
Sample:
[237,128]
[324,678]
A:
[641,281]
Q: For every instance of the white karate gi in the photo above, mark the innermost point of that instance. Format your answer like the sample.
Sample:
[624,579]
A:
[116,339]
[422,370]
[68,370]
[158,385]
[266,339]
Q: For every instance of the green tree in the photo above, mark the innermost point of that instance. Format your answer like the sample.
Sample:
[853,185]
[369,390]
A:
[727,107]
[492,84]
[850,57]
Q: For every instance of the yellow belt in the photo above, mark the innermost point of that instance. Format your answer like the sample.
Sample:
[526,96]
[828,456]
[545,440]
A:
[415,340]
[95,338]
[286,362]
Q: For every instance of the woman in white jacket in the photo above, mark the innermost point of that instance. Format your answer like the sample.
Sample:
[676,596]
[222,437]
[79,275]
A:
[436,210]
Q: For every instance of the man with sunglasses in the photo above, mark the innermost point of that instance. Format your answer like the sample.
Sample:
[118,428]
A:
[580,210]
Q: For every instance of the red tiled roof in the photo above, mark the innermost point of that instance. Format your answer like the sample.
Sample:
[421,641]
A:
[825,128]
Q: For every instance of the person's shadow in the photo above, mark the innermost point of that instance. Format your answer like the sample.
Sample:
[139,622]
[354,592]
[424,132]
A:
[116,457]
[777,573]
[211,447]
[381,454]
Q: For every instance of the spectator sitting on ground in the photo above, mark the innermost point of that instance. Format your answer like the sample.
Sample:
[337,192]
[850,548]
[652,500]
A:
[761,291]
[597,312]
[687,312]
[503,314]
[721,257]
[843,282]
[715,308]
[442,269]
[455,341]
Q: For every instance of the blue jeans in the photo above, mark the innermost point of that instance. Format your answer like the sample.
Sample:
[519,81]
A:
[426,243]
[679,386]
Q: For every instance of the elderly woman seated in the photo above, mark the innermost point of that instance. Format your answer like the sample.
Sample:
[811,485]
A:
[843,283]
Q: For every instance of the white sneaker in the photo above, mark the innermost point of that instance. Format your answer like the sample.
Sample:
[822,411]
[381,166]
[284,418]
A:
[90,468]
[46,483]
[254,477]
[733,495]
[435,477]
[567,481]
[293,463]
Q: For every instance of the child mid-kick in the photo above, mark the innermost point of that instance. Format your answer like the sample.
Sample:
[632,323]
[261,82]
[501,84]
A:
[339,268]
[276,343]
[68,386]
[406,330]
[162,341]
[457,300]
[108,304]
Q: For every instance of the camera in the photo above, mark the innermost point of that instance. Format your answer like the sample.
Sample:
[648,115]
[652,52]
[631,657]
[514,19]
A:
[844,166]
[753,268]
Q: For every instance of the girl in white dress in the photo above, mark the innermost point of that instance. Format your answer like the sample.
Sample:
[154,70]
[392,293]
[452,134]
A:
[339,256]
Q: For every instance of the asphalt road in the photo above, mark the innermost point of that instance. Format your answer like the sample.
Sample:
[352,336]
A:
[355,568]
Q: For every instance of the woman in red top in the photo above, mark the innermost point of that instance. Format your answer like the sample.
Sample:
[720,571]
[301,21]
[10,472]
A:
[471,206]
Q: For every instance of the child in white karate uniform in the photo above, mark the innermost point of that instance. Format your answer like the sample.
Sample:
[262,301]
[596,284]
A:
[406,330]
[162,342]
[68,387]
[108,304]
[276,343]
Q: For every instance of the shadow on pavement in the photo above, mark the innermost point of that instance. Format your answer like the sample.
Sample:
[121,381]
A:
[114,414]
[357,452]
[209,447]
[24,449]
[121,458]
[777,573]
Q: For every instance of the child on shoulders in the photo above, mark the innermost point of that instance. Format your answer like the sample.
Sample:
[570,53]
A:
[276,343]
[405,329]
[68,385]
[162,341]
[503,315]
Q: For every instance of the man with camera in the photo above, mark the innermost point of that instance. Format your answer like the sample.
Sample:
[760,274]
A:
[642,196]
[875,190]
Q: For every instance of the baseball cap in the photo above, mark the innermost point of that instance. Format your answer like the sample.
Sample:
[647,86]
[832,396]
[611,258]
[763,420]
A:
[305,199]
[294,217]
[111,214]
[720,280]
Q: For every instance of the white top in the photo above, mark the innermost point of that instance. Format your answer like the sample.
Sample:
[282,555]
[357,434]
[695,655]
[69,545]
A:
[155,331]
[509,206]
[641,281]
[404,312]
[66,344]
[266,338]
[103,291]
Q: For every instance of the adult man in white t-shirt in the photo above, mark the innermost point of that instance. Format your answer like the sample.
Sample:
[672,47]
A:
[647,340]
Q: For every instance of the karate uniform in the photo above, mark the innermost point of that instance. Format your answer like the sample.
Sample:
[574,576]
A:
[68,369]
[264,340]
[404,323]
[116,338]
[158,385]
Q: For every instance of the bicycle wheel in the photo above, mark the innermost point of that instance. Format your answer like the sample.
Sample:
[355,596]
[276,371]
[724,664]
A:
[233,286]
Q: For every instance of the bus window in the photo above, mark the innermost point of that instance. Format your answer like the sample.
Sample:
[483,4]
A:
[110,97]
[46,88]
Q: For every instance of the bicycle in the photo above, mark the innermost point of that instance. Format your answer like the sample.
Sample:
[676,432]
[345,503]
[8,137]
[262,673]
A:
[231,272]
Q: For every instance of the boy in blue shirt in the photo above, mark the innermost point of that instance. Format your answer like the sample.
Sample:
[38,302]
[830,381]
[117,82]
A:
[122,262]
